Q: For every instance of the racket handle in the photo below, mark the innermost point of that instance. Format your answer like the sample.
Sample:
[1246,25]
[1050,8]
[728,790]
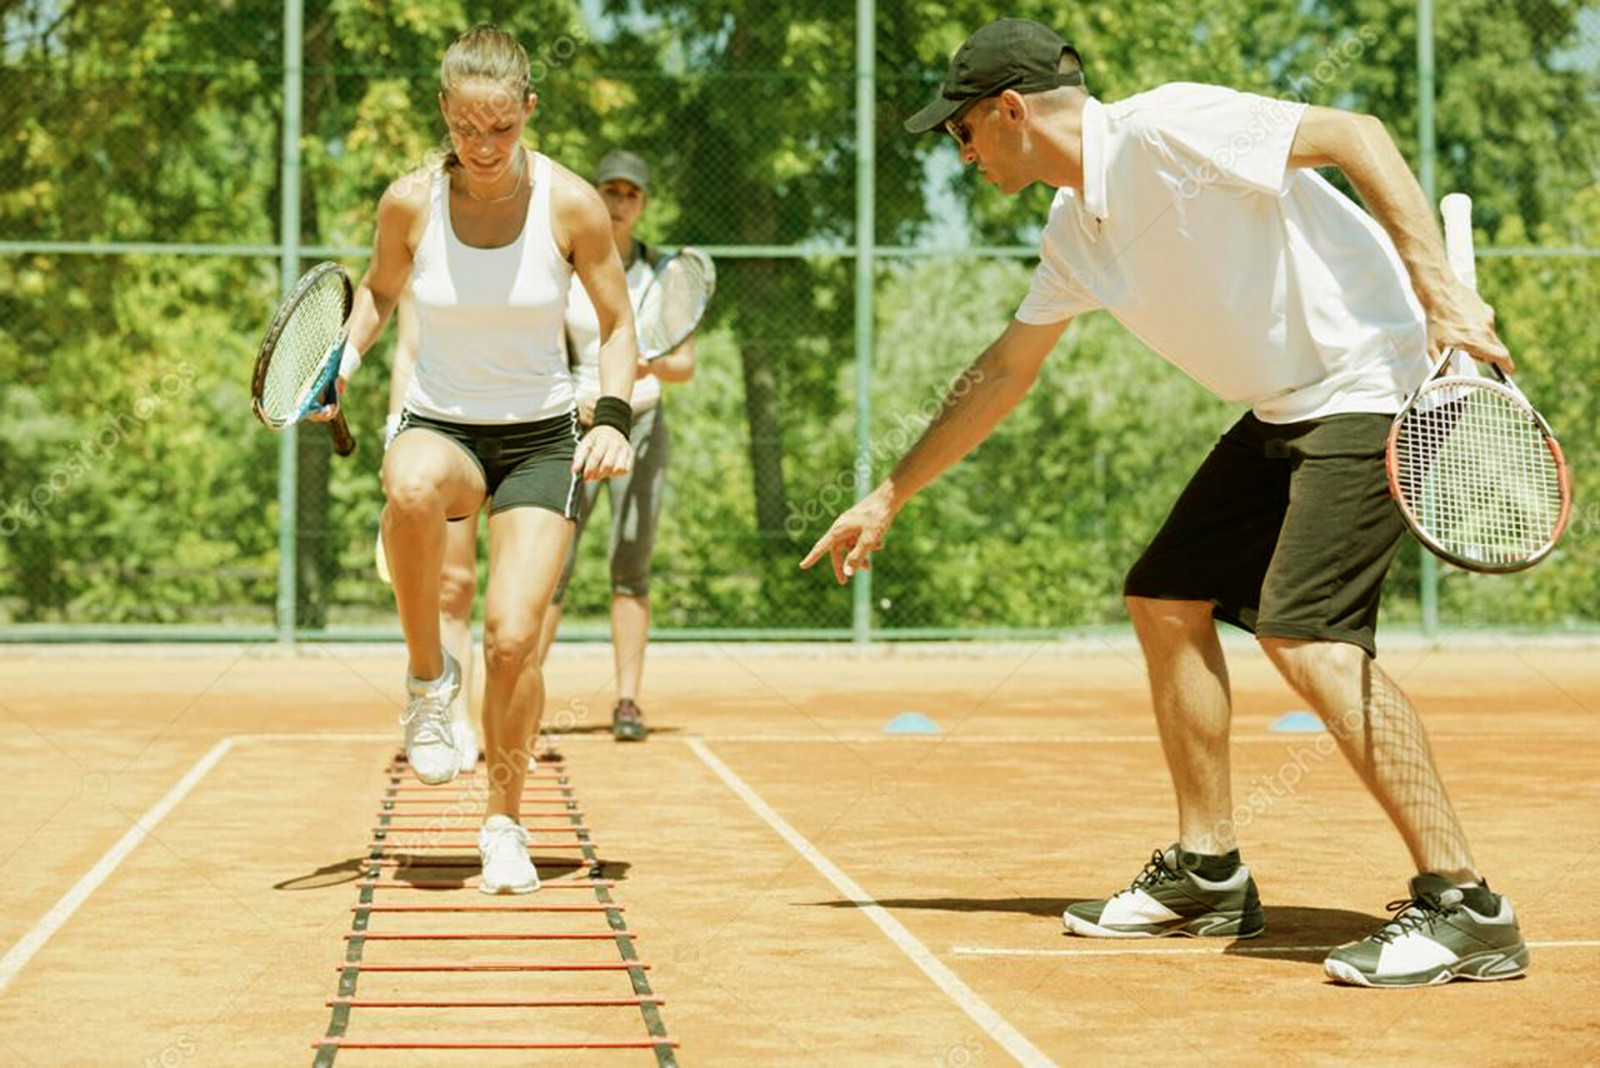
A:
[344,443]
[1457,211]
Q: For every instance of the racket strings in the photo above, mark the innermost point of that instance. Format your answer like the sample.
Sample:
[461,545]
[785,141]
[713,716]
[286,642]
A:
[1478,475]
[298,358]
[673,305]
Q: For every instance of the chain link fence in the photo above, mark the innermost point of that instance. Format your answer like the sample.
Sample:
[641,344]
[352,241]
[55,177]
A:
[141,188]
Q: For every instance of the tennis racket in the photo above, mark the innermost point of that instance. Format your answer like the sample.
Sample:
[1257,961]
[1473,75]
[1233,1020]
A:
[674,301]
[297,367]
[1477,472]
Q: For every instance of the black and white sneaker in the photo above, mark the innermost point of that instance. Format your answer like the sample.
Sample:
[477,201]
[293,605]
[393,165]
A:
[1169,898]
[1441,932]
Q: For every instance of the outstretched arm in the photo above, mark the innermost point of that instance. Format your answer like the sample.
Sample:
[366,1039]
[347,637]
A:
[1360,146]
[983,396]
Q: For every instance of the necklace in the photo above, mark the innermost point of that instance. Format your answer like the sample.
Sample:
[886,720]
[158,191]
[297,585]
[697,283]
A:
[515,189]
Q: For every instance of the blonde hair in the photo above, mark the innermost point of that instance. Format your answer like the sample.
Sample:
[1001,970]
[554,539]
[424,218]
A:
[485,53]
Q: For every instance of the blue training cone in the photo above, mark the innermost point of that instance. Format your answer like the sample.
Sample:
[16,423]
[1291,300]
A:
[1297,723]
[911,723]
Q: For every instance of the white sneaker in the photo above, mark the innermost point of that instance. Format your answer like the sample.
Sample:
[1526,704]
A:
[430,741]
[503,845]
[466,745]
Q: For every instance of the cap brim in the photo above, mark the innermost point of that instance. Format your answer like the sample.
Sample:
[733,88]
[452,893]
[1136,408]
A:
[934,115]
[622,176]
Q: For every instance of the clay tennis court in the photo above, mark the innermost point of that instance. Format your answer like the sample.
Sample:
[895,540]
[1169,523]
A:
[797,886]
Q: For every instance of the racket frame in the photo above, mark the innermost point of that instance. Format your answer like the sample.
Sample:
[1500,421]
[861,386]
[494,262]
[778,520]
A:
[658,272]
[323,390]
[1456,208]
[1438,381]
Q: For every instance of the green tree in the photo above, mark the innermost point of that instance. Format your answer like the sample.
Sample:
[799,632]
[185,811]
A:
[148,122]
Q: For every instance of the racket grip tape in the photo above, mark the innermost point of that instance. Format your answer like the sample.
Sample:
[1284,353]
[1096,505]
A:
[344,443]
[1457,211]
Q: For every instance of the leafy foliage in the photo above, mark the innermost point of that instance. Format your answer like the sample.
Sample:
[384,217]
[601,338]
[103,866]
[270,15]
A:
[133,489]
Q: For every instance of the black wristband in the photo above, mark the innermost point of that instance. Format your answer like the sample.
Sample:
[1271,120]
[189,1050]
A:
[614,412]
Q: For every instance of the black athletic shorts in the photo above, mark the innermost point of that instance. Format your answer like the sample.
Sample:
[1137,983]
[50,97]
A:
[524,465]
[1287,529]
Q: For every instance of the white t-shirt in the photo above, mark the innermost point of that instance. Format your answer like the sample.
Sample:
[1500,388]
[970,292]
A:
[1263,283]
[583,329]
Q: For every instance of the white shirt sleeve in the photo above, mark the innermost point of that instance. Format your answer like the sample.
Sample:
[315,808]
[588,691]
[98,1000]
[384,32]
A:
[1055,293]
[1226,137]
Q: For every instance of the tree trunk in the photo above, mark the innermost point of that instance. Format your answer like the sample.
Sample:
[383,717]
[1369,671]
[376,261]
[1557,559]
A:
[760,310]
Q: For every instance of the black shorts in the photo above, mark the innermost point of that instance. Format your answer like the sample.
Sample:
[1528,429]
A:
[1287,529]
[524,465]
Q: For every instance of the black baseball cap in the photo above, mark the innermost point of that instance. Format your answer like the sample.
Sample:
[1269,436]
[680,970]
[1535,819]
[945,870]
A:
[1006,54]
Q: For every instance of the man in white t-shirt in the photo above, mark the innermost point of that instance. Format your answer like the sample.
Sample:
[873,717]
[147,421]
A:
[1192,214]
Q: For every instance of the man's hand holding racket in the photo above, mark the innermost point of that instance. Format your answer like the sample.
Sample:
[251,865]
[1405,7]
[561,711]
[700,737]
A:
[855,535]
[1465,322]
[1475,469]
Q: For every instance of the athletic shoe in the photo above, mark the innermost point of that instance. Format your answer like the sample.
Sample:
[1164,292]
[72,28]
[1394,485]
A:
[1168,898]
[503,845]
[1439,933]
[627,722]
[466,744]
[430,741]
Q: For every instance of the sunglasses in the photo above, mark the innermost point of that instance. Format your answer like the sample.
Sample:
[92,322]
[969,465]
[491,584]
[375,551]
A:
[960,125]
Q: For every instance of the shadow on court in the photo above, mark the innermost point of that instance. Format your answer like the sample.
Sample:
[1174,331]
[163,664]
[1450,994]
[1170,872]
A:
[448,872]
[1303,933]
[553,738]
[1294,932]
[1029,906]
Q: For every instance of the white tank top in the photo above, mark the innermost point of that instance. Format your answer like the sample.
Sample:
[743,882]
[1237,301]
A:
[490,346]
[583,327]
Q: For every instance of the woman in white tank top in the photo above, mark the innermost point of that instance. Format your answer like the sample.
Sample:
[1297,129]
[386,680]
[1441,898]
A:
[487,244]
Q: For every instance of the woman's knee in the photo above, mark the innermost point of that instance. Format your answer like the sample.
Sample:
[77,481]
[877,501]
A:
[458,585]
[413,493]
[508,645]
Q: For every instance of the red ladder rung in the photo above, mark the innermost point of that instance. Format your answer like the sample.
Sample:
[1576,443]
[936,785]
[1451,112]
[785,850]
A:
[494,1043]
[497,966]
[396,828]
[405,847]
[406,788]
[476,808]
[488,908]
[494,1003]
[384,884]
[585,936]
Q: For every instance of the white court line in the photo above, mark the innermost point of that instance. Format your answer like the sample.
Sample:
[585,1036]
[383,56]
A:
[18,956]
[995,951]
[993,1024]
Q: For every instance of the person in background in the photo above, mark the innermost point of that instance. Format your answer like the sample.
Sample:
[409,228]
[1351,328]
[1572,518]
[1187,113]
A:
[624,182]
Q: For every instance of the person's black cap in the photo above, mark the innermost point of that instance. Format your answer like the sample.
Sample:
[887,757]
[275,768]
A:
[1006,54]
